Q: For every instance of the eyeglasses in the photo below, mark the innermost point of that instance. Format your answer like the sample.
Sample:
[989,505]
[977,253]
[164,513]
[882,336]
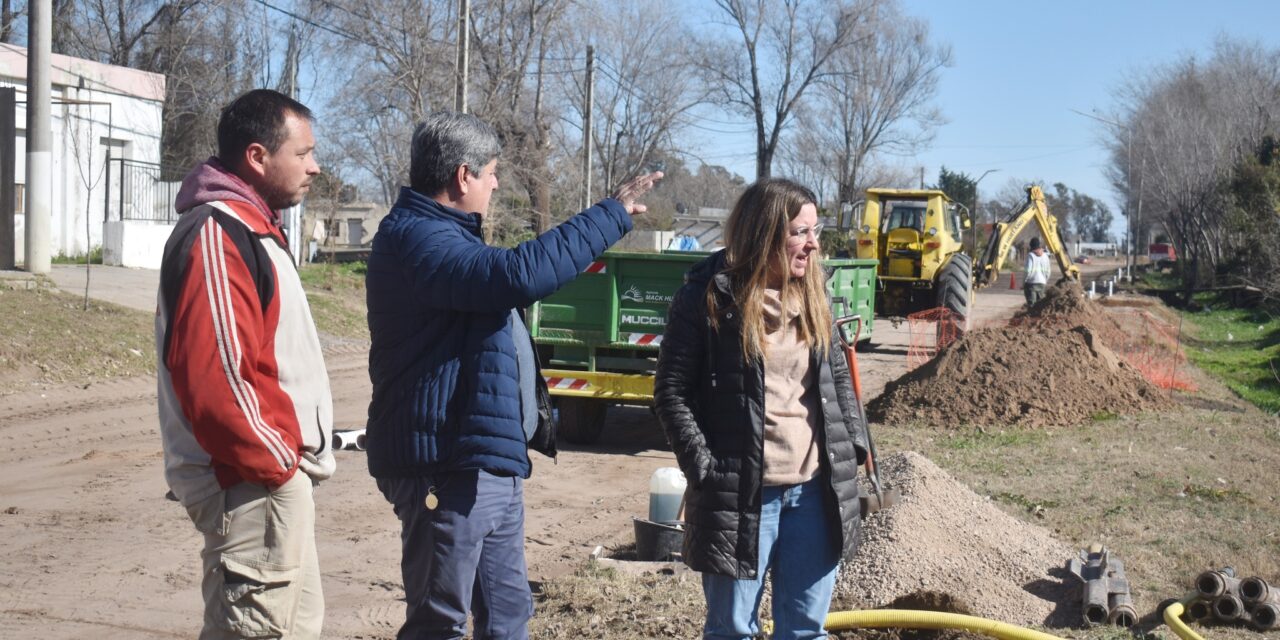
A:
[801,234]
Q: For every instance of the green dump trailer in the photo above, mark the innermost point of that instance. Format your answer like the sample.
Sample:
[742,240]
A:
[598,337]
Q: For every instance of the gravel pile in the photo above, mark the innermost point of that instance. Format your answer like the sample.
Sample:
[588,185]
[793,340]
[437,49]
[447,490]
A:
[943,542]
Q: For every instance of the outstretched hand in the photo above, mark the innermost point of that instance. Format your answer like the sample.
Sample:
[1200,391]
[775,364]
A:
[632,189]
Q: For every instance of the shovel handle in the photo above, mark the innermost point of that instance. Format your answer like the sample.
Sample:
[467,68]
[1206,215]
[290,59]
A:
[857,333]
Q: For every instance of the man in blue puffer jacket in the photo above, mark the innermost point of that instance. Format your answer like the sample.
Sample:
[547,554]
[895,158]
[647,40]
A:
[458,398]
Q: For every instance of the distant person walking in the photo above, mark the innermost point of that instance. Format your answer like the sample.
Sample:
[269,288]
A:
[458,397]
[244,396]
[758,405]
[1037,273]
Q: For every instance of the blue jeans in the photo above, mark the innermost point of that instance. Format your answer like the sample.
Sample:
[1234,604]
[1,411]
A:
[467,554]
[797,542]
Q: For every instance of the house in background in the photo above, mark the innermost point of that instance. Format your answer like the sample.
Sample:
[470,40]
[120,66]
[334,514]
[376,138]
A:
[106,123]
[341,231]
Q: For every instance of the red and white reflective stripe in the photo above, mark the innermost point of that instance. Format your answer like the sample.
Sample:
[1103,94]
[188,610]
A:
[595,267]
[649,339]
[575,384]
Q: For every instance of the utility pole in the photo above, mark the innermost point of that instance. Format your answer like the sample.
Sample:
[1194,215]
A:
[1134,216]
[921,177]
[8,155]
[464,52]
[292,216]
[586,127]
[39,137]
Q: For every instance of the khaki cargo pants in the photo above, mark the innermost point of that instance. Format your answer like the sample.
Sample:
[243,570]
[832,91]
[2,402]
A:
[261,578]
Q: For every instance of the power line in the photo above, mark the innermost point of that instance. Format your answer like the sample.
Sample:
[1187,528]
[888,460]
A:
[683,118]
[323,27]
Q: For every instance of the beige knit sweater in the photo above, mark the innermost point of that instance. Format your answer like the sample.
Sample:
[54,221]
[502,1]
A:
[790,398]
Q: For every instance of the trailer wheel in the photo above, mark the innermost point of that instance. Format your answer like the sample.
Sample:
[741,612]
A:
[582,419]
[955,287]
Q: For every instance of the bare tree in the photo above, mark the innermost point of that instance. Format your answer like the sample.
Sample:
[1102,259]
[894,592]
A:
[397,56]
[644,85]
[518,50]
[113,31]
[1187,126]
[878,99]
[786,47]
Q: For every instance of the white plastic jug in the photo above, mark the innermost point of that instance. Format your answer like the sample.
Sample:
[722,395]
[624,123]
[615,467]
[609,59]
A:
[666,489]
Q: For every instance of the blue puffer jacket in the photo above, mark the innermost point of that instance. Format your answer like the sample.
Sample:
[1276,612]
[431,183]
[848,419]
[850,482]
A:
[446,393]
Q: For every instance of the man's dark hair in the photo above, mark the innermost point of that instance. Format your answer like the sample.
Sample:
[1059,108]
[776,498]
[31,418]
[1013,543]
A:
[444,141]
[257,116]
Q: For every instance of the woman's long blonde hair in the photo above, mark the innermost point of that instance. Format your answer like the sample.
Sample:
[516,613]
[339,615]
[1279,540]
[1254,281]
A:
[755,239]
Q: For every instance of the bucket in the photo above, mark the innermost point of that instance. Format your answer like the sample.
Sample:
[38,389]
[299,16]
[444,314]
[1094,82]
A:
[658,541]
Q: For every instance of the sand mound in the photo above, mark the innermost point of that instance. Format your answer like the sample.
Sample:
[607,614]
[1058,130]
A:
[942,539]
[1049,367]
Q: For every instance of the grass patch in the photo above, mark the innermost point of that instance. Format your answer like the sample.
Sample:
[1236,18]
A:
[95,257]
[983,440]
[331,276]
[336,294]
[47,336]
[1240,347]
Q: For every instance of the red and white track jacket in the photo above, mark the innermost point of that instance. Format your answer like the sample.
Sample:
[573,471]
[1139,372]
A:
[243,391]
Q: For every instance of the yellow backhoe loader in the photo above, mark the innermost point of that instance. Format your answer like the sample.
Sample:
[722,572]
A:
[916,235]
[1004,233]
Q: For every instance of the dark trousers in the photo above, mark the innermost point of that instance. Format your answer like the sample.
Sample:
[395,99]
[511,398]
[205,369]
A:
[467,554]
[1033,292]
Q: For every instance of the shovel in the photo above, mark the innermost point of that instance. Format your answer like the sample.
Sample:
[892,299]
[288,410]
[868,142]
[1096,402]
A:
[880,498]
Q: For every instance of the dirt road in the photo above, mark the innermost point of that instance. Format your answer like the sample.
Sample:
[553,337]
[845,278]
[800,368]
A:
[92,548]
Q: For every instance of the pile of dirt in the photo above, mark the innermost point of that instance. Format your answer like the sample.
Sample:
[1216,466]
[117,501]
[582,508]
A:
[943,544]
[1050,366]
[1065,305]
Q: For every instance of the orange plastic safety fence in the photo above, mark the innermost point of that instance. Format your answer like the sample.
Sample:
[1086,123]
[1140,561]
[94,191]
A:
[931,331]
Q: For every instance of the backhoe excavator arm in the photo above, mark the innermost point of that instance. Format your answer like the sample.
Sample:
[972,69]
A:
[987,270]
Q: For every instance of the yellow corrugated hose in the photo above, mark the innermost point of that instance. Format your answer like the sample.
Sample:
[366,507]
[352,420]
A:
[1173,618]
[909,619]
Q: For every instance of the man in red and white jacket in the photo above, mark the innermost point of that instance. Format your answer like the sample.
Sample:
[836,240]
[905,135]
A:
[246,413]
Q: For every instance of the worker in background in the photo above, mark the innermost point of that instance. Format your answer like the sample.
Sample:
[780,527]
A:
[1037,273]
[458,399]
[758,406]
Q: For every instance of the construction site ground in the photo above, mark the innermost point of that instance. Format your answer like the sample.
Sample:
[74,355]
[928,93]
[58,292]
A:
[92,549]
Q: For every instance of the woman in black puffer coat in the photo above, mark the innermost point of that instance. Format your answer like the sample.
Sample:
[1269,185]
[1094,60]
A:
[755,397]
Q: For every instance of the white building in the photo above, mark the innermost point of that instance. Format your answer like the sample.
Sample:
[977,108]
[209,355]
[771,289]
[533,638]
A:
[100,112]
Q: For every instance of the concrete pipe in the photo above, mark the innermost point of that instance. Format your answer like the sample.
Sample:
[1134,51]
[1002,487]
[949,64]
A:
[1200,610]
[1228,608]
[1255,590]
[1215,584]
[1123,615]
[351,440]
[1265,616]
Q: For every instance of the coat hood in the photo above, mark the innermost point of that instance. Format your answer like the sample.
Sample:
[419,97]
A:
[210,181]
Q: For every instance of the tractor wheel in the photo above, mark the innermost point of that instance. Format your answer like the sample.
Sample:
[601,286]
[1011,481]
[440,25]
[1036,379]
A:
[955,288]
[582,419]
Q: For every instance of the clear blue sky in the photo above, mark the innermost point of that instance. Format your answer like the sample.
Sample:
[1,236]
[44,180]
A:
[1020,67]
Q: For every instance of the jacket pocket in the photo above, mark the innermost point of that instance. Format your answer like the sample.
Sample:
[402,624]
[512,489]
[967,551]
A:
[257,598]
